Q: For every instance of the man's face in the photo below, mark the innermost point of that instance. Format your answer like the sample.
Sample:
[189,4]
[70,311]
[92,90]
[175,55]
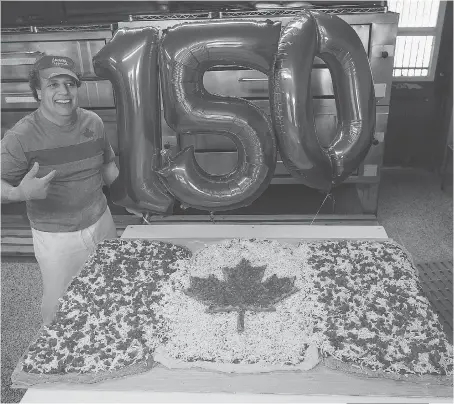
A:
[58,96]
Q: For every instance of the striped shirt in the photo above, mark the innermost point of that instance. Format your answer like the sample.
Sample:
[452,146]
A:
[77,152]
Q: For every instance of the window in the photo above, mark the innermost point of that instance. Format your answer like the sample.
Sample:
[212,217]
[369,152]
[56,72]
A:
[418,38]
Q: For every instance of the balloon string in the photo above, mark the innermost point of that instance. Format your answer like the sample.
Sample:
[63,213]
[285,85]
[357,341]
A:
[145,217]
[318,211]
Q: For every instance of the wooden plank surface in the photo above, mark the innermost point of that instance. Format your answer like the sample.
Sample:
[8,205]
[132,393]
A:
[336,220]
[320,381]
[16,240]
[21,221]
[17,251]
[26,239]
[82,396]
[204,231]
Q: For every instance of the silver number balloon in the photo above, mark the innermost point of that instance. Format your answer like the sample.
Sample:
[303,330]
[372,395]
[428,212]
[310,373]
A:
[187,51]
[130,62]
[333,40]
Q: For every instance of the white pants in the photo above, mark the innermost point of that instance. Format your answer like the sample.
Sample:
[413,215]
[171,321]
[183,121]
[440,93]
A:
[61,256]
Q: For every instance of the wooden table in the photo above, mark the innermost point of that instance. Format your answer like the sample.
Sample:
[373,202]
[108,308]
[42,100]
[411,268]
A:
[192,385]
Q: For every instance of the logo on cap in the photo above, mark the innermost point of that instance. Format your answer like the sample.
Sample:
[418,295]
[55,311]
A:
[60,62]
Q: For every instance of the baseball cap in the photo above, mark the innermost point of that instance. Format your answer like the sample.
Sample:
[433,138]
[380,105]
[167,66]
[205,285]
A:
[50,66]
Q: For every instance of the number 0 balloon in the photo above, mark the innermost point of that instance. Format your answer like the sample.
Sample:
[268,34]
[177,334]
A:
[334,41]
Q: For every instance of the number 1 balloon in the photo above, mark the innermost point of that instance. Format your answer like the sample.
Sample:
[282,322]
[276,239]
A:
[130,62]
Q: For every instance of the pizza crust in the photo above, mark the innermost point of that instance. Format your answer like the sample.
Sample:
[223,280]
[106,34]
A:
[312,359]
[335,364]
[23,379]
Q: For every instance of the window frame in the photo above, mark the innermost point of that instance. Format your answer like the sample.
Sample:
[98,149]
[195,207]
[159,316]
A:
[425,31]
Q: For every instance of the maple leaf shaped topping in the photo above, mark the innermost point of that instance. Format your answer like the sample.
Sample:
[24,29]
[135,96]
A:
[241,290]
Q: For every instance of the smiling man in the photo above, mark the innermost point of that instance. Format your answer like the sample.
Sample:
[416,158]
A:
[57,159]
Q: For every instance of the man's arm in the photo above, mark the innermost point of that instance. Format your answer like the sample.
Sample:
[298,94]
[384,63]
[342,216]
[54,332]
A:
[109,173]
[109,169]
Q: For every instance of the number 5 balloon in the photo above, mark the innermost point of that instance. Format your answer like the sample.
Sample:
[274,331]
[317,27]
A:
[187,51]
[333,40]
